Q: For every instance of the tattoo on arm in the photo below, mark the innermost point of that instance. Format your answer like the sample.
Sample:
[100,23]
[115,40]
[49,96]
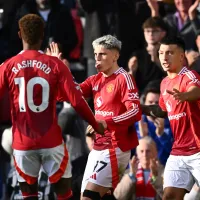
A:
[154,111]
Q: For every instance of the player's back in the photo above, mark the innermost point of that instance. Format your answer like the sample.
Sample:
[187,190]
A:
[32,79]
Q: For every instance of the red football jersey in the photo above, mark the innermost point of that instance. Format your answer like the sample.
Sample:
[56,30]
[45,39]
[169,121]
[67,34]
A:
[116,101]
[34,82]
[184,117]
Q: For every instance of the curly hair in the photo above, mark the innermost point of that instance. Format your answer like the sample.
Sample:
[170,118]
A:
[32,28]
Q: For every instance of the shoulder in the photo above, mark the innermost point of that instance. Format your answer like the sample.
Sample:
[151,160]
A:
[125,78]
[94,78]
[191,74]
[9,61]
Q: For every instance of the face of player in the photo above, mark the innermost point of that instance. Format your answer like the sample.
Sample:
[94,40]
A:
[152,99]
[183,5]
[106,59]
[43,4]
[145,153]
[171,57]
[153,35]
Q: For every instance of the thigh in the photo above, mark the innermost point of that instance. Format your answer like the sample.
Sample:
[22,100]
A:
[177,175]
[193,163]
[56,164]
[27,164]
[172,193]
[103,167]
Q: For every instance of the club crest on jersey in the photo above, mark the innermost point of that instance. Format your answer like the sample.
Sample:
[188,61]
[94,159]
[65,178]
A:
[110,88]
[99,102]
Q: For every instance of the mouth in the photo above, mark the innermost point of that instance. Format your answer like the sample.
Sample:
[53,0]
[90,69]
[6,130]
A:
[166,65]
[97,66]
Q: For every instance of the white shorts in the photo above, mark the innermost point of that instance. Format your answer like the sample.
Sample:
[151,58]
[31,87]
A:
[104,167]
[182,171]
[54,161]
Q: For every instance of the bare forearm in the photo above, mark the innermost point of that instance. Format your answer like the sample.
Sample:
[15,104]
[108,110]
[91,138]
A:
[153,110]
[193,94]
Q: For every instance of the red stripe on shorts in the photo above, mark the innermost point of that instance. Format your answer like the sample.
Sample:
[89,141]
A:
[57,175]
[29,179]
[114,168]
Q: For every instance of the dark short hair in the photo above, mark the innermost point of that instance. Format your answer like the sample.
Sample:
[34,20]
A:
[32,28]
[148,90]
[154,22]
[174,40]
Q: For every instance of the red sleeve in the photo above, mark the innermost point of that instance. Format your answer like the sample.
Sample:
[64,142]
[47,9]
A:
[162,104]
[192,79]
[68,91]
[86,87]
[3,81]
[130,98]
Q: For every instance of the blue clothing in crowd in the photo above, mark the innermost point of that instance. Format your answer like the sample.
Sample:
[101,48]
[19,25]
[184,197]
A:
[164,143]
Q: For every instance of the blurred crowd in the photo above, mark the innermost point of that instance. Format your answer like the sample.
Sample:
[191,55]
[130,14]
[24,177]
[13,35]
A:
[74,24]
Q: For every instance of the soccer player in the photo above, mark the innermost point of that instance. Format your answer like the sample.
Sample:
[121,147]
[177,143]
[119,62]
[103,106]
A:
[116,104]
[35,81]
[180,99]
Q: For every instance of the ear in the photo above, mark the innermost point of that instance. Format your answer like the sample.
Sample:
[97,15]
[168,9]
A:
[183,57]
[116,55]
[19,34]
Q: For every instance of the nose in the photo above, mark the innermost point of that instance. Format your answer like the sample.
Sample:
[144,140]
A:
[97,57]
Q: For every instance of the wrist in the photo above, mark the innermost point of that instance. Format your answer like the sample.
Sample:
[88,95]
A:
[132,177]
[192,16]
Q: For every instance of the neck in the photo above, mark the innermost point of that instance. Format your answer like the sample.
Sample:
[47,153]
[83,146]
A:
[173,74]
[26,46]
[111,70]
[183,15]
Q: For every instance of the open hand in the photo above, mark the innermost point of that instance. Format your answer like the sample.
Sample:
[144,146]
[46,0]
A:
[159,124]
[133,165]
[193,9]
[154,167]
[179,96]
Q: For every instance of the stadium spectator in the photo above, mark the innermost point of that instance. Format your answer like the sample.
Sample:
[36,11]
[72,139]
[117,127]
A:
[185,22]
[59,25]
[144,180]
[148,66]
[157,128]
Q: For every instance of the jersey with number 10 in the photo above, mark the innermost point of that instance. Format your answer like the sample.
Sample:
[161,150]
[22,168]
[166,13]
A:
[35,82]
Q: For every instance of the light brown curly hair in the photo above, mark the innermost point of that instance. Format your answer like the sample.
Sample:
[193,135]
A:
[32,28]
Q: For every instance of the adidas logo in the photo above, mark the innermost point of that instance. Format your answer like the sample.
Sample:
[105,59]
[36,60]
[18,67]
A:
[94,176]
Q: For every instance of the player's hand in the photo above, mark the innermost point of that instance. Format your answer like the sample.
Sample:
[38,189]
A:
[101,127]
[53,50]
[159,124]
[154,167]
[179,96]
